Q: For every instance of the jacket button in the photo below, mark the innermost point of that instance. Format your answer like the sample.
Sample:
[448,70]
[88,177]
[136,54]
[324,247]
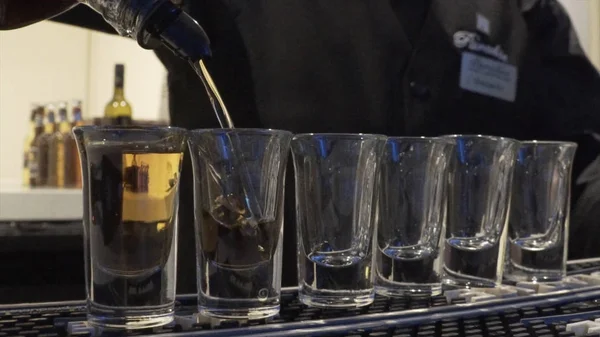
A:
[420,91]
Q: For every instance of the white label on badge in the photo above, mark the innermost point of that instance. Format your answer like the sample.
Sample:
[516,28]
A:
[488,77]
[483,24]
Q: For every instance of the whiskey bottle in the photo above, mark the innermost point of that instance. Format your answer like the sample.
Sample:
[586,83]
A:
[35,111]
[33,157]
[43,147]
[59,156]
[76,177]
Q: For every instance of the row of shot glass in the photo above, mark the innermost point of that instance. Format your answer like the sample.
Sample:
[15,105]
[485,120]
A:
[397,216]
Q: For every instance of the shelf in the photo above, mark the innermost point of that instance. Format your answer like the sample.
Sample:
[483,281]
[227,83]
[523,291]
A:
[18,203]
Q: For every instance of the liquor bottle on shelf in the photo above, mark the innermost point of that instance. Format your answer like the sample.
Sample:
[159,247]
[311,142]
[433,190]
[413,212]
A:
[77,121]
[35,111]
[118,110]
[77,114]
[60,163]
[33,157]
[43,146]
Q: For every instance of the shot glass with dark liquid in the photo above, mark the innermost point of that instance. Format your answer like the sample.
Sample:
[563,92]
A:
[130,243]
[238,251]
[411,216]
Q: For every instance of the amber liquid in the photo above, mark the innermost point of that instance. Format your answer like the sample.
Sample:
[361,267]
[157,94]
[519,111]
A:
[251,205]
[213,94]
[62,159]
[41,148]
[133,200]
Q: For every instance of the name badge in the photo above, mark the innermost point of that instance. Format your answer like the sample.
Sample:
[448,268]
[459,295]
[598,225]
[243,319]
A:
[488,77]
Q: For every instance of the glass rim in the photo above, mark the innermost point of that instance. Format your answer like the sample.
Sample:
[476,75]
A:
[549,143]
[421,139]
[243,130]
[109,128]
[480,136]
[341,135]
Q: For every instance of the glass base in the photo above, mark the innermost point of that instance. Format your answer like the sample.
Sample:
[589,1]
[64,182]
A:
[518,275]
[395,289]
[239,314]
[454,281]
[108,318]
[336,298]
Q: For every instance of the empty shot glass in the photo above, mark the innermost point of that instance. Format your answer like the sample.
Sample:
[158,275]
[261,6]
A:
[238,251]
[336,184]
[411,216]
[479,190]
[132,184]
[539,219]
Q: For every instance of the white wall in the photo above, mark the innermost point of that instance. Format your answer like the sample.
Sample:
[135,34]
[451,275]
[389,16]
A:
[48,62]
[585,16]
[144,75]
[45,62]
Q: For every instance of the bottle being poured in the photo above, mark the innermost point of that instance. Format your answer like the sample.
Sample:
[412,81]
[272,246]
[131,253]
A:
[153,23]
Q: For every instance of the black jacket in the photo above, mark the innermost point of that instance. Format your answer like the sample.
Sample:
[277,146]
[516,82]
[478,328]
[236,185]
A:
[390,67]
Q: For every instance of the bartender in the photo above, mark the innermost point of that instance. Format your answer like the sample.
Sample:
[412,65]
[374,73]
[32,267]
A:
[394,67]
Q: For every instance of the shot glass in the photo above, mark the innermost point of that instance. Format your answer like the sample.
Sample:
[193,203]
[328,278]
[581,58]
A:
[411,216]
[336,184]
[239,249]
[539,219]
[479,191]
[131,184]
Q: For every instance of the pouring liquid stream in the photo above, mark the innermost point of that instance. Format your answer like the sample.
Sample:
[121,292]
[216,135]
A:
[249,199]
[213,94]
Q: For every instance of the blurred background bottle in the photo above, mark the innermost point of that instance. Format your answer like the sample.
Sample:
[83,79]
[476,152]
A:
[43,146]
[36,110]
[118,110]
[60,163]
[33,160]
[77,121]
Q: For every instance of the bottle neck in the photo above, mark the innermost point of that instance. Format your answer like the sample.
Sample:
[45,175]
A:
[77,119]
[119,94]
[64,126]
[49,127]
[39,124]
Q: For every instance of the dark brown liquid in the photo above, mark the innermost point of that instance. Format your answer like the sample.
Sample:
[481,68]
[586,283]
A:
[62,167]
[42,150]
[237,255]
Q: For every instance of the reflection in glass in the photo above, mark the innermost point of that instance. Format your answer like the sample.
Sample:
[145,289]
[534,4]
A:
[133,202]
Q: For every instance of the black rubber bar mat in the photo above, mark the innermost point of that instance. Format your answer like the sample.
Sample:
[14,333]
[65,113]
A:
[542,314]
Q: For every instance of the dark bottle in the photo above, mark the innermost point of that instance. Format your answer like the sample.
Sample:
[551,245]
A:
[36,127]
[118,110]
[76,179]
[34,150]
[43,147]
[150,22]
[19,13]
